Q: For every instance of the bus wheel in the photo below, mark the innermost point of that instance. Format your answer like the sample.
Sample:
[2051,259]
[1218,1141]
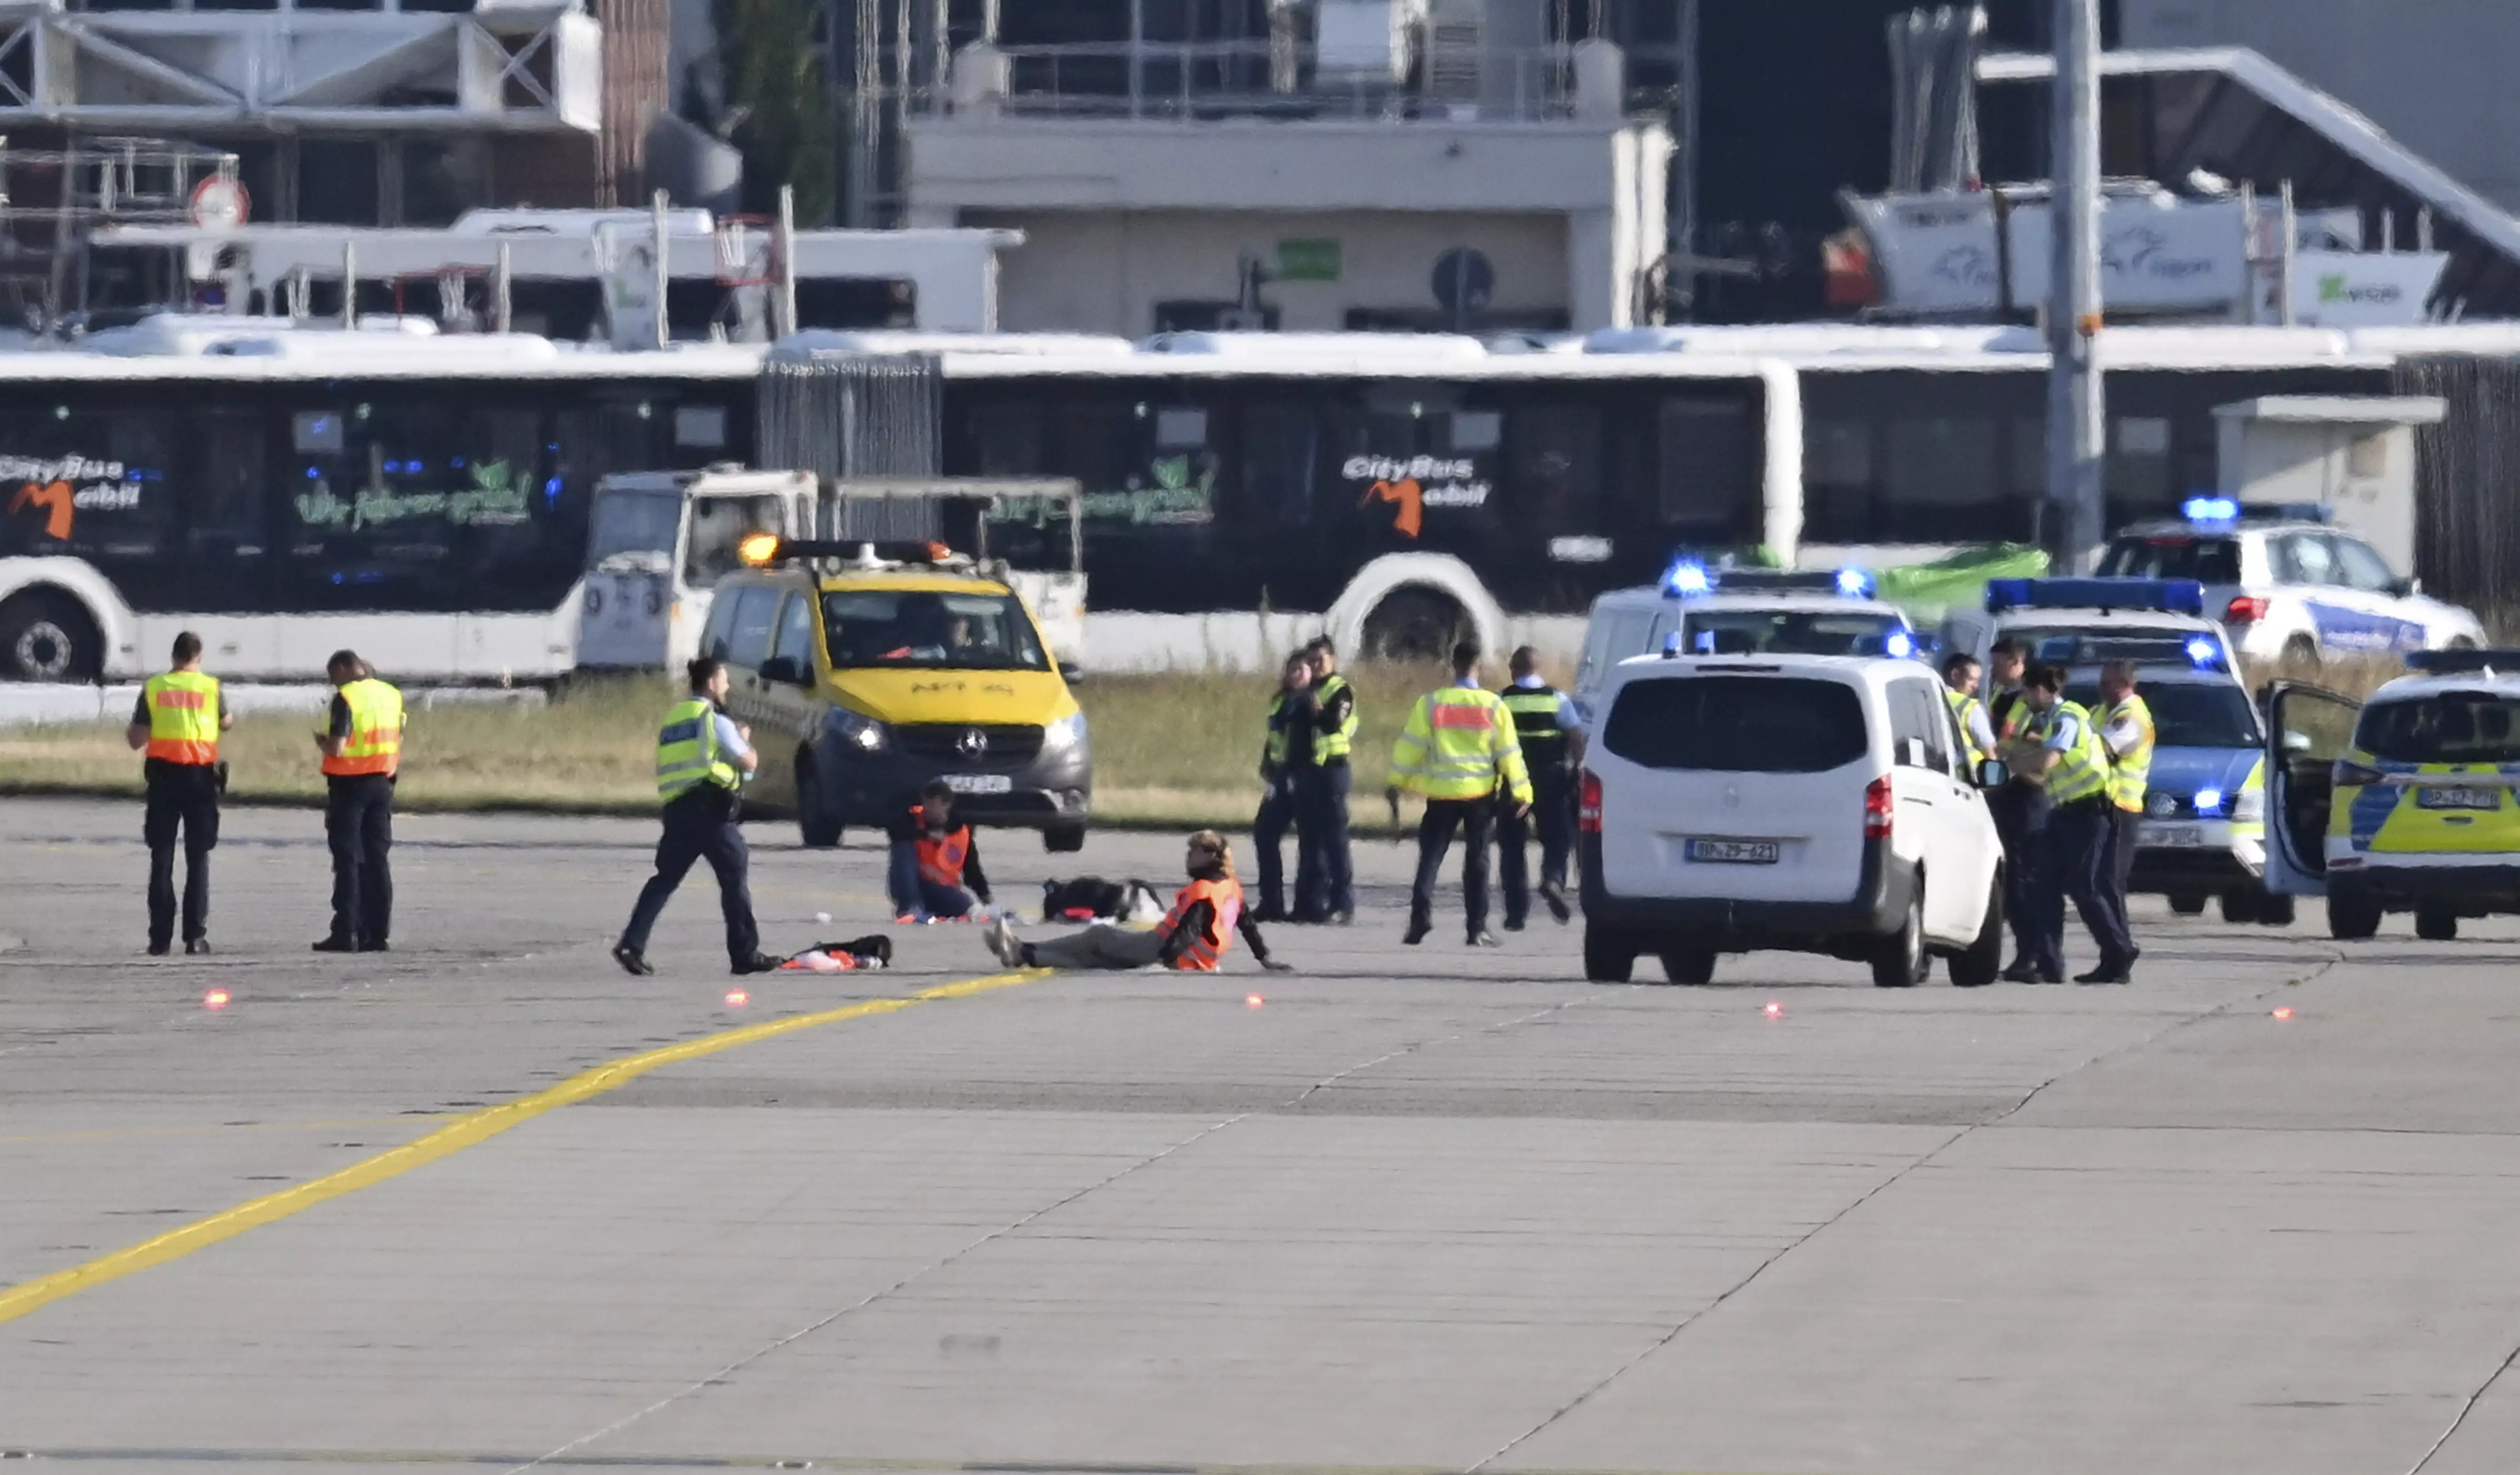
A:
[48,638]
[818,829]
[1415,624]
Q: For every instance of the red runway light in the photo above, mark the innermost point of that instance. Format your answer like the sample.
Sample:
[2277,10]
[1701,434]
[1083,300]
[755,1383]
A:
[216,998]
[2284,1011]
[1775,1010]
[1253,1001]
[736,998]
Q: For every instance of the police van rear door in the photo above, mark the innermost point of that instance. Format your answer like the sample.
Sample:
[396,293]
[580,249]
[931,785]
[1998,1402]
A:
[2308,729]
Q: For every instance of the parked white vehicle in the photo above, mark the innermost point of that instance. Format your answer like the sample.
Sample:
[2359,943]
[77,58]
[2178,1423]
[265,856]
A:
[1806,804]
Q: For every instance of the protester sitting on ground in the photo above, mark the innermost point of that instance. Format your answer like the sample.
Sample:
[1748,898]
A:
[1192,936]
[935,869]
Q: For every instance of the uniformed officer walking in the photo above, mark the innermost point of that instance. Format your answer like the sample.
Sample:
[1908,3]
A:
[1321,796]
[2064,753]
[1460,750]
[2127,731]
[177,725]
[362,748]
[1286,742]
[1553,744]
[701,757]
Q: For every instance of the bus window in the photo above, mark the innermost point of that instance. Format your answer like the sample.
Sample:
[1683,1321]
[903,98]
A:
[1557,466]
[1280,459]
[96,483]
[719,526]
[1710,461]
[1940,477]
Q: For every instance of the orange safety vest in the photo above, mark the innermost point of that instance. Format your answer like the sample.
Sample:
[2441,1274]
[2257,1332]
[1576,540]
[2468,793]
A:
[375,743]
[941,857]
[1205,955]
[183,718]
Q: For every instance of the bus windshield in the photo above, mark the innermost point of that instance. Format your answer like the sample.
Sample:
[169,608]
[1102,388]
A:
[879,628]
[1796,632]
[2189,714]
[633,523]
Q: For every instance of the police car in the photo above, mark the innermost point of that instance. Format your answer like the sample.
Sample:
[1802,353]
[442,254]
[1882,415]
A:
[1715,611]
[2203,835]
[2405,802]
[2288,585]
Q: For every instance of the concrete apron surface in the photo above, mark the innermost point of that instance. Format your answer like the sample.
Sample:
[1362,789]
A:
[1406,1208]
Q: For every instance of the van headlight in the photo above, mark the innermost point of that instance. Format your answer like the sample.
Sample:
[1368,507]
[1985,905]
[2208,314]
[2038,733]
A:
[1066,732]
[863,733]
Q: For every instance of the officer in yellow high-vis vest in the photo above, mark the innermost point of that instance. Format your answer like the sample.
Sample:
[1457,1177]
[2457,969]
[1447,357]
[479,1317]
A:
[177,725]
[1287,744]
[2066,758]
[1458,749]
[362,748]
[702,756]
[2127,731]
[1325,890]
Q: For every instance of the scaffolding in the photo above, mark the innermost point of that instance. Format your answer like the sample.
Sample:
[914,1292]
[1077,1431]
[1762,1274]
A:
[54,200]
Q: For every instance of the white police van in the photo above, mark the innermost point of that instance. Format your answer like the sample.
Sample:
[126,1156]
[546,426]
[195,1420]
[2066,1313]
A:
[1809,803]
[2037,611]
[2288,585]
[1742,612]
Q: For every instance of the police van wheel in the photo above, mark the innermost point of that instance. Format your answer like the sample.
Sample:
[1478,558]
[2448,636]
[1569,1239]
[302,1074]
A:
[48,638]
[2239,907]
[2437,924]
[2275,911]
[1899,960]
[819,830]
[1064,838]
[1609,957]
[2187,907]
[2351,918]
[1982,964]
[1694,967]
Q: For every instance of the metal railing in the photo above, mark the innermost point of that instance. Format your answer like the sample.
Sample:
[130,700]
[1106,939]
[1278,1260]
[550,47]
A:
[1207,80]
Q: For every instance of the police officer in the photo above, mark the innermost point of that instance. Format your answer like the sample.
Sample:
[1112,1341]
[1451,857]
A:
[177,725]
[2061,749]
[1961,676]
[2127,731]
[1321,796]
[2019,806]
[1553,744]
[701,757]
[1288,743]
[1460,750]
[362,748]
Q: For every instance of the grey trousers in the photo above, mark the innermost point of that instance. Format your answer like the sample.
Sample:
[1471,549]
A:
[1102,946]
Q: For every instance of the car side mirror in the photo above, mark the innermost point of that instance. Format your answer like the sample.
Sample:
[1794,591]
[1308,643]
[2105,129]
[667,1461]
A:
[2296,742]
[1070,672]
[785,669]
[1992,773]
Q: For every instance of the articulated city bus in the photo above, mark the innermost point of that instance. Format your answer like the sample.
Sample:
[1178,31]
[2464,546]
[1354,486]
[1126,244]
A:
[288,494]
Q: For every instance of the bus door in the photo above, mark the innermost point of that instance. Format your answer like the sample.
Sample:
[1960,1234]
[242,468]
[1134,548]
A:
[2308,729]
[228,568]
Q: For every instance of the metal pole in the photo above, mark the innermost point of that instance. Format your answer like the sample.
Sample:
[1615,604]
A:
[349,285]
[2288,236]
[782,303]
[2076,420]
[503,315]
[1137,58]
[665,272]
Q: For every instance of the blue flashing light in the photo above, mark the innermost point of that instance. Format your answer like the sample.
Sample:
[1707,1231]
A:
[2209,801]
[1670,645]
[2204,651]
[2172,596]
[393,468]
[2210,509]
[1687,579]
[312,474]
[1855,584]
[551,490]
[456,463]
[1898,645]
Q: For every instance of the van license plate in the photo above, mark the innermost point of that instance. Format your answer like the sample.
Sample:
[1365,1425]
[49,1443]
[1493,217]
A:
[1734,851]
[2168,837]
[979,783]
[2431,796]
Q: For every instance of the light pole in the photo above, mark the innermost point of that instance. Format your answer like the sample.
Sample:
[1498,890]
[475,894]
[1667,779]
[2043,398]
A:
[2077,424]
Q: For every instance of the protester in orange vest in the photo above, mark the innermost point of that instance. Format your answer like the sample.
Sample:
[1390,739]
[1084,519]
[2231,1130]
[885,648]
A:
[935,869]
[1192,936]
[177,723]
[362,748]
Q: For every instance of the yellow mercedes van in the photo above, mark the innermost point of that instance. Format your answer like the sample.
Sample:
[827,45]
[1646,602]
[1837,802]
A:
[867,670]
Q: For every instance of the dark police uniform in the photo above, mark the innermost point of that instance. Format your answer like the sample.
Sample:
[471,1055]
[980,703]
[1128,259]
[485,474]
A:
[1322,785]
[1548,752]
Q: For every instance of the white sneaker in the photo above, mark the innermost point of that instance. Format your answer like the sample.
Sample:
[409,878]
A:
[1002,941]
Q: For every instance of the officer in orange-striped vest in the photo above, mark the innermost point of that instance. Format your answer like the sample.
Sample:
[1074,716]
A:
[177,725]
[362,748]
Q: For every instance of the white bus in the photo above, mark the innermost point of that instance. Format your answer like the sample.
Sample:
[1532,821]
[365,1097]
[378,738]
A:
[288,492]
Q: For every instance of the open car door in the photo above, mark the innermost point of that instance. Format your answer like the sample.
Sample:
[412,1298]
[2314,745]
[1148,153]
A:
[2308,729]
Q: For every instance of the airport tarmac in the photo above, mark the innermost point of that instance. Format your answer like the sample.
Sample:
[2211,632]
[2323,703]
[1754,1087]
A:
[486,1203]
